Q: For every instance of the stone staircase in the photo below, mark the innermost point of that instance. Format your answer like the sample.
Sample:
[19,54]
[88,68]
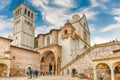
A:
[43,78]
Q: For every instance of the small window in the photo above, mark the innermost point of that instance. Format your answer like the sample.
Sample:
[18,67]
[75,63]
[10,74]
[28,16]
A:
[31,24]
[25,21]
[85,36]
[71,31]
[84,24]
[25,11]
[43,60]
[13,57]
[20,10]
[16,38]
[36,43]
[29,13]
[32,15]
[66,31]
[28,23]
[16,13]
[19,21]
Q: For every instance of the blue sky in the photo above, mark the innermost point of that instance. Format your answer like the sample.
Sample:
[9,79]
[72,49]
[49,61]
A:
[103,16]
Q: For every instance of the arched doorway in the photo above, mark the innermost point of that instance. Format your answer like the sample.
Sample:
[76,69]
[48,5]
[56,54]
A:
[103,72]
[48,63]
[3,70]
[27,69]
[117,71]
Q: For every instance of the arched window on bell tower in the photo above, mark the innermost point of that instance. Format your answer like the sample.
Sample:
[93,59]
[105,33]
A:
[29,13]
[32,15]
[25,11]
[48,40]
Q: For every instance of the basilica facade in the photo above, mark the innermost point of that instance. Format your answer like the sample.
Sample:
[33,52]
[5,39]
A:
[59,51]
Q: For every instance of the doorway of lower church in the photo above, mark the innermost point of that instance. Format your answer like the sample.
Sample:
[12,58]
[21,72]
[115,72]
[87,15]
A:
[47,63]
[3,70]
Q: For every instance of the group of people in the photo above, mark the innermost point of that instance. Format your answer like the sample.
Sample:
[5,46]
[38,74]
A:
[32,73]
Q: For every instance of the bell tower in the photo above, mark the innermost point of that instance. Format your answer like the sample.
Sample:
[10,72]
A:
[24,25]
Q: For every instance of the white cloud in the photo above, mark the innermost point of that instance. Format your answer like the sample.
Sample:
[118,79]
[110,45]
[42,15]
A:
[115,11]
[64,3]
[53,15]
[99,3]
[114,33]
[43,29]
[111,27]
[117,18]
[94,3]
[6,26]
[4,3]
[58,15]
[90,14]
[92,28]
[98,40]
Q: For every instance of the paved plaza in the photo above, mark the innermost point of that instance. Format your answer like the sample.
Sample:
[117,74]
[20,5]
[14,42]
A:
[42,78]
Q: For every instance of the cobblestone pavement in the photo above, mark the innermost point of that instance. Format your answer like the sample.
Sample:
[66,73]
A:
[41,78]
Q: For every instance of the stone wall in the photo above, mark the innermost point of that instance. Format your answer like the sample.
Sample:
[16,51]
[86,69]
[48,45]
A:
[4,46]
[84,61]
[21,59]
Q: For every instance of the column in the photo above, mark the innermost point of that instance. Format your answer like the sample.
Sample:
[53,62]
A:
[56,68]
[112,74]
[8,72]
[95,74]
[53,69]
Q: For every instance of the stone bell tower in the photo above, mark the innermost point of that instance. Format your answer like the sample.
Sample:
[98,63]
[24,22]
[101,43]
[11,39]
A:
[24,25]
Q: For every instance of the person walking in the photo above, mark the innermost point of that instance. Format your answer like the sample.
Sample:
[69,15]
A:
[29,73]
[35,73]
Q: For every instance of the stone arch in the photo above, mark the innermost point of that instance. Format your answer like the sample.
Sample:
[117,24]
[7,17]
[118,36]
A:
[27,68]
[3,70]
[29,65]
[104,64]
[116,68]
[103,71]
[116,64]
[45,53]
[47,63]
